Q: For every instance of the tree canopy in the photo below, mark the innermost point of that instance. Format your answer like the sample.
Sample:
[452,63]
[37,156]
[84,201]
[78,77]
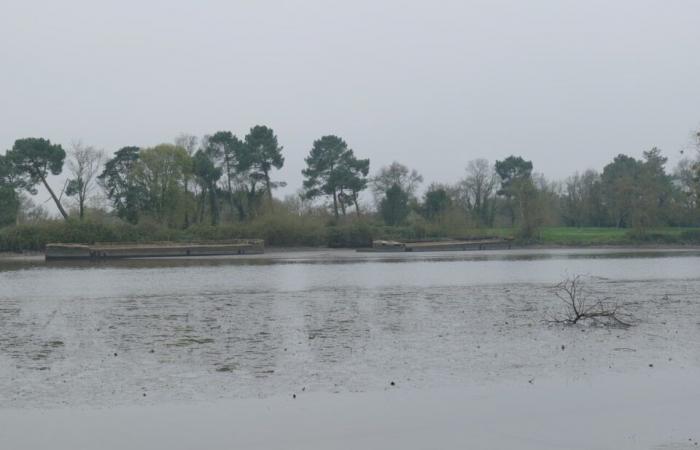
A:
[396,174]
[160,172]
[260,155]
[84,165]
[516,185]
[333,170]
[33,160]
[511,170]
[436,202]
[477,189]
[120,184]
[394,207]
[9,200]
[207,175]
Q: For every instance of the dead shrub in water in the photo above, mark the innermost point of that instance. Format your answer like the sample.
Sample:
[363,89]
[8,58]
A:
[581,306]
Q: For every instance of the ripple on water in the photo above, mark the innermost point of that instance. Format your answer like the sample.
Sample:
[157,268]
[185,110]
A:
[245,331]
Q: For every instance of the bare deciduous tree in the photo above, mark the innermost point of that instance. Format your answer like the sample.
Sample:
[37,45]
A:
[190,143]
[84,164]
[477,189]
[395,174]
[581,305]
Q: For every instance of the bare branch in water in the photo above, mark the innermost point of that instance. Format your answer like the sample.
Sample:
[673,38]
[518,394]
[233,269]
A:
[581,306]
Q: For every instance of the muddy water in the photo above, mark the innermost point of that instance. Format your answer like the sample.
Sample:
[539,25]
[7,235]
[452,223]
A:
[173,329]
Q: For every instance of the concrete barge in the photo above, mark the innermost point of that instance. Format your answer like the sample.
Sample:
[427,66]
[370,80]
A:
[99,251]
[438,246]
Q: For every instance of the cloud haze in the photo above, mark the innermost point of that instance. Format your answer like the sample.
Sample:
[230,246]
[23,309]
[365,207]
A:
[568,84]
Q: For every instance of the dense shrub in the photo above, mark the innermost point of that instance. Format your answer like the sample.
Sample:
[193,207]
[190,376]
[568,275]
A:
[285,229]
[34,237]
[276,230]
[288,230]
[690,236]
[352,235]
[651,237]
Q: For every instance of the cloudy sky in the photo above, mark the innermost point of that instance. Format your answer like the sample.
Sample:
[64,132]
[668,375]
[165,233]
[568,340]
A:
[433,84]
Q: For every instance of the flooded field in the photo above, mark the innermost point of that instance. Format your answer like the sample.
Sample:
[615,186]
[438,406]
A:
[162,330]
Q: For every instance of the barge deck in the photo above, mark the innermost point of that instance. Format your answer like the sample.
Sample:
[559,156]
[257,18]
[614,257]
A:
[438,246]
[99,251]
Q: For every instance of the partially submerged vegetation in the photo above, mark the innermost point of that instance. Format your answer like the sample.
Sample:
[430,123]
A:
[582,305]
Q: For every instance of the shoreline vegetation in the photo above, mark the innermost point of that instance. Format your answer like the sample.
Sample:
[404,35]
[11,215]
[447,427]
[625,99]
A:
[288,231]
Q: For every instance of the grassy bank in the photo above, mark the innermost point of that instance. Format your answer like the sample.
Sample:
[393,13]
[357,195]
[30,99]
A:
[290,231]
[618,236]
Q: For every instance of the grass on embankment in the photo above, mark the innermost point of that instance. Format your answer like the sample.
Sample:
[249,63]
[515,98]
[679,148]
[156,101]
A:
[571,236]
[593,236]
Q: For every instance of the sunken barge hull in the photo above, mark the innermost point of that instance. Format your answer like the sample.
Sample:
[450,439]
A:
[101,251]
[438,246]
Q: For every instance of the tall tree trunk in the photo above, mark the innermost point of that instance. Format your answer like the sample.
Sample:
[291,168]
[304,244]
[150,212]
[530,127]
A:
[202,205]
[357,207]
[240,208]
[511,209]
[214,205]
[197,207]
[269,188]
[82,196]
[187,217]
[55,199]
[251,201]
[228,180]
[335,203]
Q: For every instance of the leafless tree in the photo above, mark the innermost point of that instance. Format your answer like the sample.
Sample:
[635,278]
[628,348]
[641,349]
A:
[190,143]
[395,174]
[581,305]
[30,212]
[477,189]
[84,164]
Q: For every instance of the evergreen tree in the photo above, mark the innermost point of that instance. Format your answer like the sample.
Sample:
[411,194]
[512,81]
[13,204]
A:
[207,175]
[260,155]
[394,206]
[120,184]
[9,200]
[34,159]
[333,170]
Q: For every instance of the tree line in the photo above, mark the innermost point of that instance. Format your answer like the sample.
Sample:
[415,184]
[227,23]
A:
[224,178]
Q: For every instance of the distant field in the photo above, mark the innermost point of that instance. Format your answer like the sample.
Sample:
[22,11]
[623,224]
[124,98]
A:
[605,236]
[588,236]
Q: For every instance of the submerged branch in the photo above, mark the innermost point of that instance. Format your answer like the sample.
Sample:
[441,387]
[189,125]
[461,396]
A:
[581,307]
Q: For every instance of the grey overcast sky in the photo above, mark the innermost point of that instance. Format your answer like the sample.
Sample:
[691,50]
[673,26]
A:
[433,84]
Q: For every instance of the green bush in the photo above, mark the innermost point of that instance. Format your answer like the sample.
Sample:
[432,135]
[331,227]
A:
[34,237]
[288,231]
[351,235]
[651,237]
[690,236]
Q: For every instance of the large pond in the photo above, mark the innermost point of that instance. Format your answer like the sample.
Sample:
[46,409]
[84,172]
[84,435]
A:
[181,329]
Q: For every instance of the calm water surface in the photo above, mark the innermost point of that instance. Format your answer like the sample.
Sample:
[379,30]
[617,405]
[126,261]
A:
[180,329]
